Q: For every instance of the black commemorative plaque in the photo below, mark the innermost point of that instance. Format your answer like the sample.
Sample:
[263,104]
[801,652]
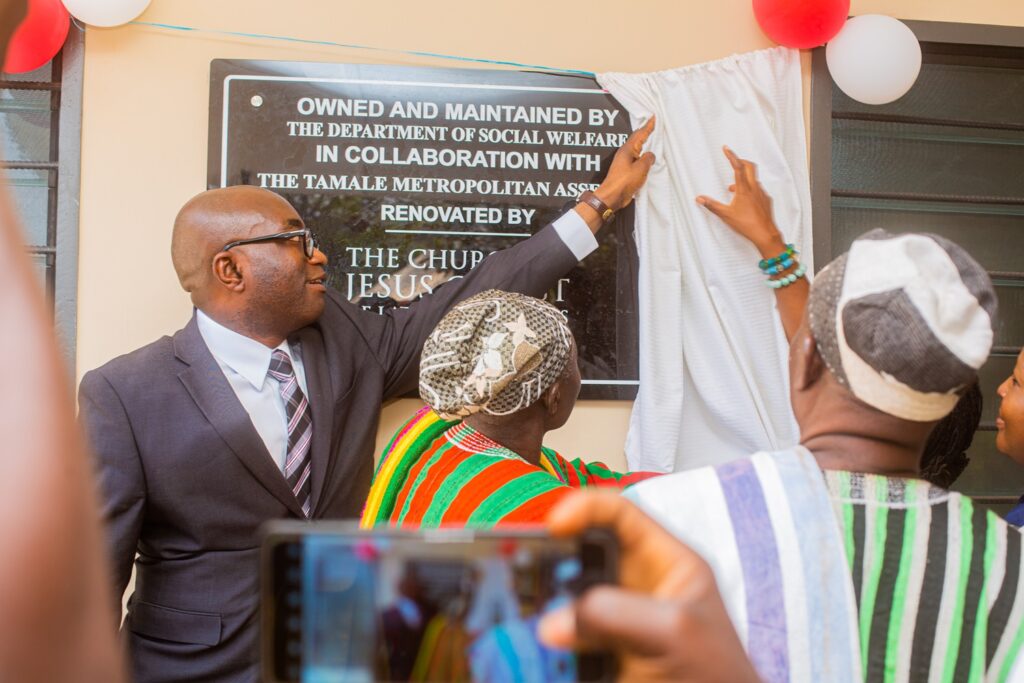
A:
[410,176]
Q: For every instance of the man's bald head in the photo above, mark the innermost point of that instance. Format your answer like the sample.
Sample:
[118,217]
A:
[210,220]
[267,285]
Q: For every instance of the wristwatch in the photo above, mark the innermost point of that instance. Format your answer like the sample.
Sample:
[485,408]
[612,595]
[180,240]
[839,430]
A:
[594,202]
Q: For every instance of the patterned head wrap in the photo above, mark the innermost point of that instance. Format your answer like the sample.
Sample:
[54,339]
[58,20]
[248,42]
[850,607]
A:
[496,352]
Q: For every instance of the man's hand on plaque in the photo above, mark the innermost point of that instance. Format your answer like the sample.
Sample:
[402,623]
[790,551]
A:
[626,176]
[628,171]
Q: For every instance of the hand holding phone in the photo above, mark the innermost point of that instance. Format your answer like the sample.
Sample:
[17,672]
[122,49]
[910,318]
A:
[666,619]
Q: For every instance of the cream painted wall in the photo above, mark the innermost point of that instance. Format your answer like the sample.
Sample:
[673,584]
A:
[144,122]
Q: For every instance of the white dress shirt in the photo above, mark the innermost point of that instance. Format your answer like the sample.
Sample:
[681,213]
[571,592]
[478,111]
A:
[576,234]
[244,362]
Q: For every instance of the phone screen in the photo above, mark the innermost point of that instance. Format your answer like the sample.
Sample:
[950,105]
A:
[438,605]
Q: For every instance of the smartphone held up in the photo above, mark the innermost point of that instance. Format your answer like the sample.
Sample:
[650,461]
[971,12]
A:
[343,605]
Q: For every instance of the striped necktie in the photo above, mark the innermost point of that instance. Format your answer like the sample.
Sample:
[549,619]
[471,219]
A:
[297,464]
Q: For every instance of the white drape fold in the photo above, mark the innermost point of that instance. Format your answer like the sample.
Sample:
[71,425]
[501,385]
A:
[713,355]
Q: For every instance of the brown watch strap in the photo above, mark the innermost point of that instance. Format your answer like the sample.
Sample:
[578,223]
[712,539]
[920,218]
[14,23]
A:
[594,202]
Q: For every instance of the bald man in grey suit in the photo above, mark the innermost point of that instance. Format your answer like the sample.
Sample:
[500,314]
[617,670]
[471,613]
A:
[265,406]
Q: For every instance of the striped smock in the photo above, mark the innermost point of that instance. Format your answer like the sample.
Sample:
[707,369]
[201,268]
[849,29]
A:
[937,580]
[438,473]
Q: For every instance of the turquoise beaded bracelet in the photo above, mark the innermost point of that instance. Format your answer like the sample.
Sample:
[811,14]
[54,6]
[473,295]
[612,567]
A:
[779,267]
[765,264]
[786,281]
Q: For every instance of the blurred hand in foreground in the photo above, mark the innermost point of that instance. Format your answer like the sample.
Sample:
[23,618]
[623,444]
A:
[57,625]
[665,620]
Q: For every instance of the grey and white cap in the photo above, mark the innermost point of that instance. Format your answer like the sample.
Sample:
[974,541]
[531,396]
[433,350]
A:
[904,322]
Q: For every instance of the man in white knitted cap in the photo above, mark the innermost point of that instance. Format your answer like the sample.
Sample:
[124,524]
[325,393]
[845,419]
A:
[914,582]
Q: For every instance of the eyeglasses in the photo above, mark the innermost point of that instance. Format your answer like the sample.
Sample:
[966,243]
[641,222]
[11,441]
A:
[308,243]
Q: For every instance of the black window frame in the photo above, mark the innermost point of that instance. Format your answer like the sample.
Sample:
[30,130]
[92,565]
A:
[63,172]
[62,169]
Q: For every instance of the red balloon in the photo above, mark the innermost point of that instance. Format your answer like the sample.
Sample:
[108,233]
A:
[39,37]
[801,23]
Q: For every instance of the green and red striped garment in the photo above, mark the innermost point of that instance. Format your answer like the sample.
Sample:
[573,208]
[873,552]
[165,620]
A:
[937,580]
[438,473]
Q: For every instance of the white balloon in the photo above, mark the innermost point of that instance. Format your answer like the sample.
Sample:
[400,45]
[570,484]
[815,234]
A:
[874,59]
[105,12]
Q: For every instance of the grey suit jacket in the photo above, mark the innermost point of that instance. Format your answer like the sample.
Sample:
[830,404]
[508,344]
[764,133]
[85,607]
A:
[187,482]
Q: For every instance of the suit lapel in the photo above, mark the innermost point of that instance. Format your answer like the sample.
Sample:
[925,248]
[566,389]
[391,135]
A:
[321,403]
[208,387]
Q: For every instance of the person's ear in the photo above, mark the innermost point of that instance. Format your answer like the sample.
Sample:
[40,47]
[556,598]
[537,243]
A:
[806,363]
[552,398]
[227,271]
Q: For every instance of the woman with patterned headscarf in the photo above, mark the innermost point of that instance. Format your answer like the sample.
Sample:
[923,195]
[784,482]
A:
[498,372]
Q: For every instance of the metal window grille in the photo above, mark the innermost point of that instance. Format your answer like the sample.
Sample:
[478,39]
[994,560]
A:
[40,129]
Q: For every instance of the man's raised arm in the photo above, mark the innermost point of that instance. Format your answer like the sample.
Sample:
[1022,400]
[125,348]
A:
[531,267]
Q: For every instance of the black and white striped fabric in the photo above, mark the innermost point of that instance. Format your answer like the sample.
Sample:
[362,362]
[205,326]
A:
[904,322]
[297,465]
